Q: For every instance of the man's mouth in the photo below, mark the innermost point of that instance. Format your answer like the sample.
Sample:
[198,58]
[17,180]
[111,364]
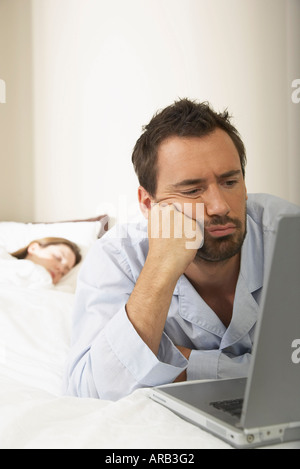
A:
[217,231]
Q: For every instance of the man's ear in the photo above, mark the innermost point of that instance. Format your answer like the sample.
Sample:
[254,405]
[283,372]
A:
[145,201]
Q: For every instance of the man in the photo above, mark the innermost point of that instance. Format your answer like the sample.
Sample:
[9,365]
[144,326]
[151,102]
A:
[153,308]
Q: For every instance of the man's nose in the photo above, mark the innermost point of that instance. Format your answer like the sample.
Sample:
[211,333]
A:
[215,202]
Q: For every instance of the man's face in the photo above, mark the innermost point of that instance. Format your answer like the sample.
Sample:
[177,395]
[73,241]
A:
[206,170]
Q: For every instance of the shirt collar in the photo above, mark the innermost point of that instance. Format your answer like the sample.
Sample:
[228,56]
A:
[193,308]
[252,259]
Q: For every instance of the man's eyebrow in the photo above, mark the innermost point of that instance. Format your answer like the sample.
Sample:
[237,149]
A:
[187,182]
[192,182]
[234,172]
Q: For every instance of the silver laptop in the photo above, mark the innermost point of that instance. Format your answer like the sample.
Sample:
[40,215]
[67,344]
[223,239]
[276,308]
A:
[264,408]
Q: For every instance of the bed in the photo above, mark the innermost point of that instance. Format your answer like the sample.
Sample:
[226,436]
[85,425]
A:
[35,327]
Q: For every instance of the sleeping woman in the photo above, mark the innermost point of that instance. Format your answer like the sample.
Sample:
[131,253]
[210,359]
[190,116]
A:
[44,262]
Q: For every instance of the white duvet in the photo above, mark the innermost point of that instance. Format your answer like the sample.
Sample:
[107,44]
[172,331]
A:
[35,329]
[22,273]
[34,343]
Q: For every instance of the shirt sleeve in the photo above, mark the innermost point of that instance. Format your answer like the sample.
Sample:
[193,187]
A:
[214,364]
[109,360]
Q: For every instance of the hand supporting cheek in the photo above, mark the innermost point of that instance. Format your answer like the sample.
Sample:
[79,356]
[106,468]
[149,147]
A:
[193,225]
[174,236]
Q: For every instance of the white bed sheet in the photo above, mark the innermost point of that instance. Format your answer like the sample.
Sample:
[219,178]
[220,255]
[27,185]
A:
[34,343]
[34,419]
[35,335]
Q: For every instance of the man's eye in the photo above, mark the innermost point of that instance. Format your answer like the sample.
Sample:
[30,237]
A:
[231,183]
[192,192]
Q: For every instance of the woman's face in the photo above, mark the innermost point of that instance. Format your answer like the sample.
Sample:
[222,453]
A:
[58,259]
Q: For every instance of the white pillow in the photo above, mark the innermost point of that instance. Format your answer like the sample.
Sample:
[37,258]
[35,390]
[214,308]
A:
[14,236]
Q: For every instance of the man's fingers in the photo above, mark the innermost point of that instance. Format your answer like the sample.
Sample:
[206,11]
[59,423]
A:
[174,220]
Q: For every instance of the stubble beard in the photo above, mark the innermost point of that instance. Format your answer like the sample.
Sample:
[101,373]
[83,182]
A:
[225,247]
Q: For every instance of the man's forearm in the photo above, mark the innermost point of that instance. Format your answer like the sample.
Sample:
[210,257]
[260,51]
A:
[149,303]
[167,260]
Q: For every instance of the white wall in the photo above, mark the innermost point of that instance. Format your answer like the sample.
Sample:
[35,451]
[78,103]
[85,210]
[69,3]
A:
[16,140]
[2,91]
[102,68]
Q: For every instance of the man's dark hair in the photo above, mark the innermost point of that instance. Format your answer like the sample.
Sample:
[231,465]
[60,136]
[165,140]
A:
[184,118]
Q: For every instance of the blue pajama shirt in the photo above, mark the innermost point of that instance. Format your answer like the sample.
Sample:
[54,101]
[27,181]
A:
[109,360]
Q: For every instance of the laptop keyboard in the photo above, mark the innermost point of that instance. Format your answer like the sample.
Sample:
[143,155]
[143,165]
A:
[233,407]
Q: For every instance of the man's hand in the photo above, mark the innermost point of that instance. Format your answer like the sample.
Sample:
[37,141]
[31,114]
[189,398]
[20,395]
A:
[174,238]
[171,234]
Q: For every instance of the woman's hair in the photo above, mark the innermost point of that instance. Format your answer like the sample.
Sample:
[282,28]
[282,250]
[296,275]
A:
[44,242]
[184,118]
